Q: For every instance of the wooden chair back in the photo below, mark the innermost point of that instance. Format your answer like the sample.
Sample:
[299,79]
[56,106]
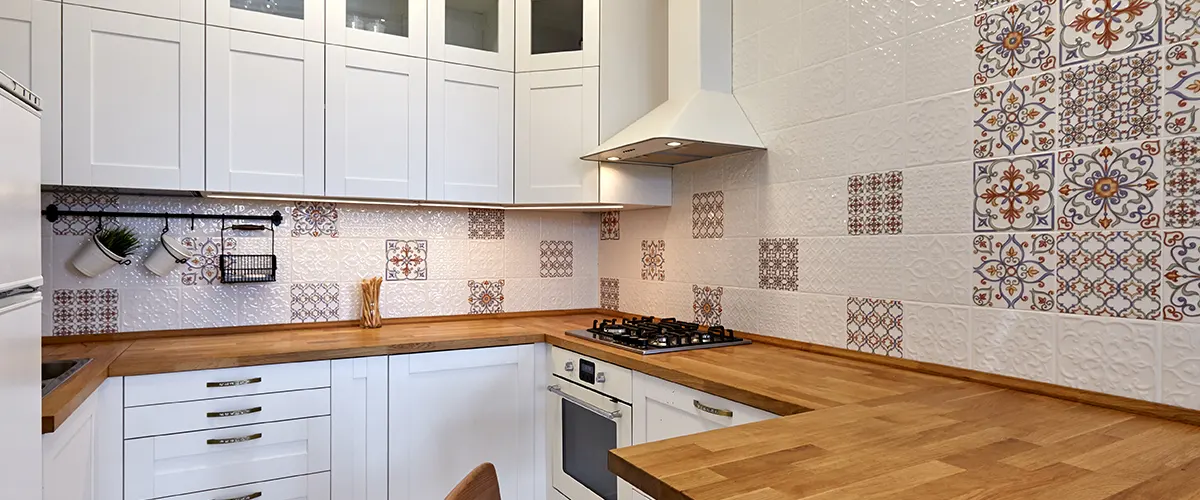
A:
[480,484]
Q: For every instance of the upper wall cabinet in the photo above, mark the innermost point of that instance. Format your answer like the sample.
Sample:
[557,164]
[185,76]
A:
[133,100]
[31,52]
[180,10]
[375,124]
[557,117]
[472,32]
[291,18]
[396,26]
[470,134]
[557,34]
[265,114]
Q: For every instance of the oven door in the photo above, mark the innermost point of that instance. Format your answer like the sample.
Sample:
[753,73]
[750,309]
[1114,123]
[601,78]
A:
[584,425]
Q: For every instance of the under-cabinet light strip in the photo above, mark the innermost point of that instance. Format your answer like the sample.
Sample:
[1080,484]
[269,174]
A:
[432,204]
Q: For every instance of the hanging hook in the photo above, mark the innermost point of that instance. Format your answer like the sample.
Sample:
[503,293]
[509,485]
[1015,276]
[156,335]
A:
[99,222]
[193,223]
[166,225]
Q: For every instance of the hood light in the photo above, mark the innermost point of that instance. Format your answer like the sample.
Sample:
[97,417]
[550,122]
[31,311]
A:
[674,144]
[613,158]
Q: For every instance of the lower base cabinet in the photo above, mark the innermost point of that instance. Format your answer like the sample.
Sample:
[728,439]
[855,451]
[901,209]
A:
[310,487]
[81,460]
[359,448]
[665,410]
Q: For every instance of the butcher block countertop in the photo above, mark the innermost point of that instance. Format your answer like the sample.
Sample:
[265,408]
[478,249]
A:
[851,428]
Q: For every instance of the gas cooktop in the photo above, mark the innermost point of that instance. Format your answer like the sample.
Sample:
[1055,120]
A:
[647,335]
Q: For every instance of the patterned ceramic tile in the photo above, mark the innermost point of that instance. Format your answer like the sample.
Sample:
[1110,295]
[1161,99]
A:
[1014,194]
[1110,187]
[1093,29]
[1182,79]
[1182,185]
[1016,40]
[708,215]
[938,334]
[610,293]
[485,224]
[874,203]
[315,219]
[1013,343]
[777,263]
[406,260]
[315,302]
[486,296]
[983,5]
[610,225]
[1015,271]
[1110,101]
[205,264]
[1181,365]
[558,259]
[77,199]
[86,311]
[1109,356]
[1182,20]
[1109,274]
[1182,277]
[875,326]
[653,260]
[1016,117]
[706,304]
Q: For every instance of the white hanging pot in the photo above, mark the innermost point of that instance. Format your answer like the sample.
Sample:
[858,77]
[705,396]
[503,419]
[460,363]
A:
[93,259]
[170,253]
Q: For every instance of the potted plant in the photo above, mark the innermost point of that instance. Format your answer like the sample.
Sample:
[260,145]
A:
[108,248]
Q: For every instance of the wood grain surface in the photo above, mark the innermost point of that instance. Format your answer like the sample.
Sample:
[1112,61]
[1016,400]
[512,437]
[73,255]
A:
[66,398]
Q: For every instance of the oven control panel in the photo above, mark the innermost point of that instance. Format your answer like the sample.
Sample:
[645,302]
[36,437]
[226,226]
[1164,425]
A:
[611,379]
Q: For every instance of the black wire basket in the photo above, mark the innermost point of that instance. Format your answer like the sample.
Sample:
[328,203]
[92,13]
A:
[248,268]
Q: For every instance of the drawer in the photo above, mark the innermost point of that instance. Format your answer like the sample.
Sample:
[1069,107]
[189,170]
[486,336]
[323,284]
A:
[310,487]
[698,404]
[207,384]
[184,463]
[618,380]
[172,418]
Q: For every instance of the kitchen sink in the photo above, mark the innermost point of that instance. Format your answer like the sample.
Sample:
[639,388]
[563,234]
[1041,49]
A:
[54,373]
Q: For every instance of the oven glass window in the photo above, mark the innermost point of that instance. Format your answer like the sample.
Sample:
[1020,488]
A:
[586,439]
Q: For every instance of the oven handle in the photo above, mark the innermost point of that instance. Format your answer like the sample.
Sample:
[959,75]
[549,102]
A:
[611,415]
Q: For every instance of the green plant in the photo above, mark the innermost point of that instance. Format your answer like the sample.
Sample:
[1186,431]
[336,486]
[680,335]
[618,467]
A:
[119,240]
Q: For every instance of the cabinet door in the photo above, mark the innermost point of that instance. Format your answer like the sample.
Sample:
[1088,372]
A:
[81,460]
[666,410]
[180,10]
[31,52]
[451,411]
[474,32]
[396,26]
[310,487]
[291,18]
[133,101]
[375,142]
[557,34]
[557,120]
[266,116]
[359,429]
[470,134]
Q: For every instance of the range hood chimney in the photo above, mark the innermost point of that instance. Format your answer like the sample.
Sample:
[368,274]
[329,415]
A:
[701,118]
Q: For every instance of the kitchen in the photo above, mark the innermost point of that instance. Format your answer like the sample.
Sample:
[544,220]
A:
[353,249]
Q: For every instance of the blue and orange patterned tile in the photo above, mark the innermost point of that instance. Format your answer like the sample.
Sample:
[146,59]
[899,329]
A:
[1014,194]
[1181,274]
[1015,271]
[706,304]
[315,302]
[485,224]
[1110,274]
[1182,183]
[86,311]
[1094,29]
[1111,101]
[1017,117]
[1016,40]
[1182,81]
[486,296]
[406,260]
[610,225]
[653,260]
[1111,187]
[315,219]
[874,203]
[708,215]
[875,326]
[1181,21]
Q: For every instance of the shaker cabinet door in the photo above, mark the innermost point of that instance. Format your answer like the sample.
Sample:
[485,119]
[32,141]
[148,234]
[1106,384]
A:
[304,19]
[475,32]
[470,134]
[396,26]
[359,427]
[558,34]
[31,52]
[557,120]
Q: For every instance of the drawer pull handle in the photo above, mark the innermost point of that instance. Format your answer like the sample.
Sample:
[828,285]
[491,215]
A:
[251,496]
[715,411]
[234,413]
[242,439]
[235,383]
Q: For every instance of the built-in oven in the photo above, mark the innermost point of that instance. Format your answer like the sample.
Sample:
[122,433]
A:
[590,413]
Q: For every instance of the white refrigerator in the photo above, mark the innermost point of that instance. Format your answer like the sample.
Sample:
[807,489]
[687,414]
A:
[20,292]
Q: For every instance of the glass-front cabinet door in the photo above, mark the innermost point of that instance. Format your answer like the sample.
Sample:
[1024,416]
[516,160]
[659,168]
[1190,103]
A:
[473,32]
[396,26]
[291,18]
[557,34]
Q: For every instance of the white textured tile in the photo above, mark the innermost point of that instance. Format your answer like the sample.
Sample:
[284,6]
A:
[822,319]
[824,33]
[745,61]
[522,259]
[871,76]
[556,293]
[822,207]
[1108,355]
[779,209]
[350,300]
[525,294]
[585,292]
[209,306]
[146,309]
[873,22]
[778,314]
[486,259]
[824,89]
[939,60]
[936,130]
[925,14]
[63,275]
[779,47]
[315,259]
[360,258]
[937,334]
[938,199]
[403,299]
[448,259]
[1181,365]
[937,268]
[556,226]
[776,103]
[741,213]
[875,140]
[1013,343]
[266,304]
[446,298]
[522,225]
[740,309]
[822,148]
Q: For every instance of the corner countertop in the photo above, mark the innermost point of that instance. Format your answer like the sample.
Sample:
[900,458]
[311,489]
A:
[851,428]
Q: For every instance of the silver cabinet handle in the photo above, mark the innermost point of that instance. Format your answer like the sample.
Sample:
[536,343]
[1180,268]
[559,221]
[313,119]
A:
[251,496]
[235,383]
[611,415]
[715,411]
[234,413]
[242,439]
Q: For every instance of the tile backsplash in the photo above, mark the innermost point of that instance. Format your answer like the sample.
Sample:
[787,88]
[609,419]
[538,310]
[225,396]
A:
[433,262]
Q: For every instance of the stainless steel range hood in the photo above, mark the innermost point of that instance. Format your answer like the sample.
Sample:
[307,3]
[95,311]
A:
[701,118]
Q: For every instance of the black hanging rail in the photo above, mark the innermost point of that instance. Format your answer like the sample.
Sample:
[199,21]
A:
[52,213]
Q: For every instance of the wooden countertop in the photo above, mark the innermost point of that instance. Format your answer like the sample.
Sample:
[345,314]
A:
[853,428]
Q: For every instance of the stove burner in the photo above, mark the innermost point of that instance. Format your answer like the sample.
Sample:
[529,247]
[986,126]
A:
[649,335]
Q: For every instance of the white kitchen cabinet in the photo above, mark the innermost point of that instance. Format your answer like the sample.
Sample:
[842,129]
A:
[558,34]
[31,52]
[359,429]
[133,101]
[375,124]
[470,134]
[396,26]
[304,19]
[666,410]
[81,460]
[473,32]
[557,121]
[310,487]
[179,10]
[265,114]
[451,411]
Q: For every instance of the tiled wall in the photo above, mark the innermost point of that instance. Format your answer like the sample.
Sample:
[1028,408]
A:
[434,262]
[1009,187]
